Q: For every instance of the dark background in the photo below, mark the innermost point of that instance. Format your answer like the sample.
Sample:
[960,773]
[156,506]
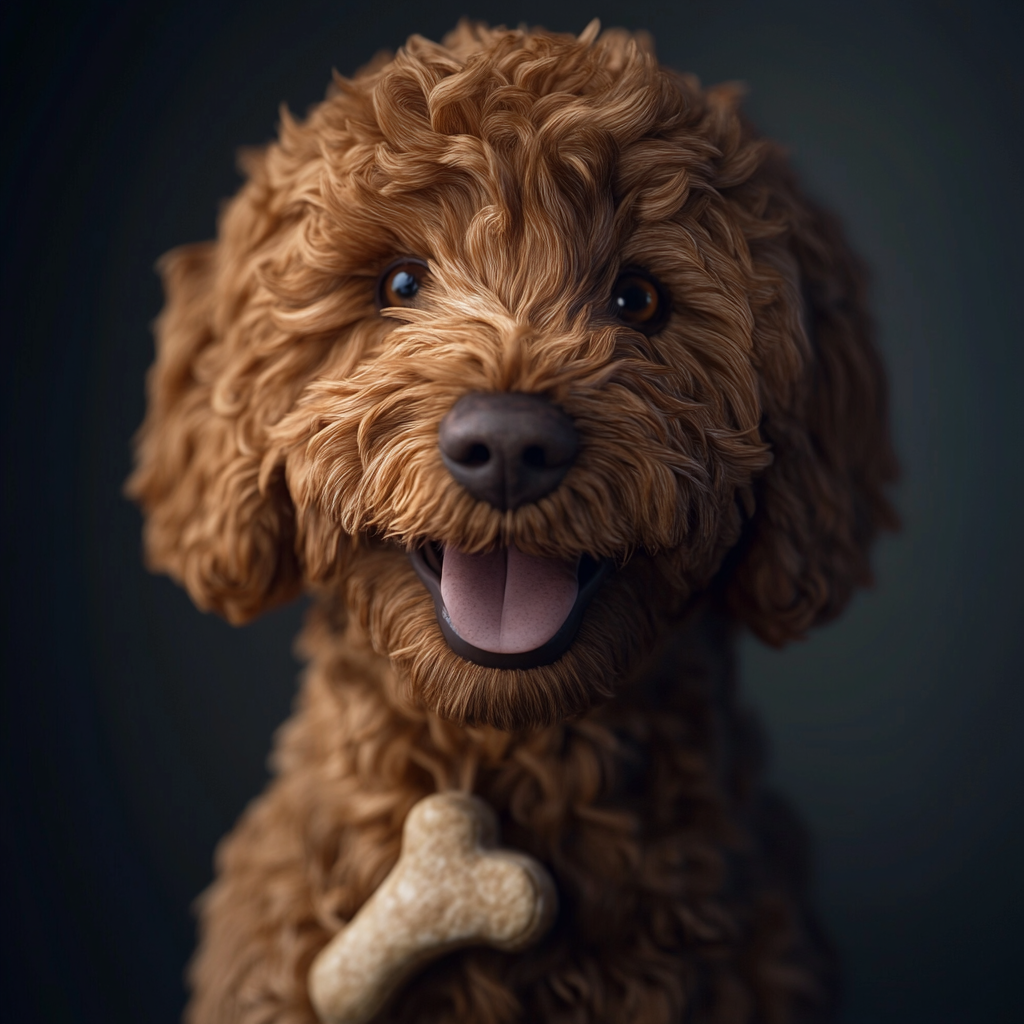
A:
[135,729]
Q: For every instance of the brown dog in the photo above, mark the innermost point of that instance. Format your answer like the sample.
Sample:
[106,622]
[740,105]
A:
[528,358]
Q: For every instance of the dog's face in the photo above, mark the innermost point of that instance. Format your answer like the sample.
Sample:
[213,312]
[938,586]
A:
[514,346]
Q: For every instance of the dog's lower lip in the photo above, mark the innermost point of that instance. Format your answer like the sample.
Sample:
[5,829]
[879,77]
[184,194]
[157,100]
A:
[592,572]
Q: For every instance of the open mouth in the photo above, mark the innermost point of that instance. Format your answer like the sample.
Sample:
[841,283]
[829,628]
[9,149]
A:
[505,608]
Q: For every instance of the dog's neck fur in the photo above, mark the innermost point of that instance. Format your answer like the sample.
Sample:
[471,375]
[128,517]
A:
[652,798]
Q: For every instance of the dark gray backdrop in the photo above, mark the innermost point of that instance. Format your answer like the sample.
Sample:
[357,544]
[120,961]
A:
[135,729]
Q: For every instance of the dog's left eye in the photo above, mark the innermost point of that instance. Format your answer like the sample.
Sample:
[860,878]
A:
[400,283]
[638,300]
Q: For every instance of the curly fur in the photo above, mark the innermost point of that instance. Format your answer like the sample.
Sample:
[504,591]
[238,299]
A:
[732,465]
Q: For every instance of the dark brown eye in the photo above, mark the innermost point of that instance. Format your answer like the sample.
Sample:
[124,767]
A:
[401,282]
[638,300]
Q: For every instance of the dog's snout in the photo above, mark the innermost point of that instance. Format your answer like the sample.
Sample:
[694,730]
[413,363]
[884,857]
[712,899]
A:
[507,449]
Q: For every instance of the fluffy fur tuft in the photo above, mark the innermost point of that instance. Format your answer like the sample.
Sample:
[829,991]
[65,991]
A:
[734,459]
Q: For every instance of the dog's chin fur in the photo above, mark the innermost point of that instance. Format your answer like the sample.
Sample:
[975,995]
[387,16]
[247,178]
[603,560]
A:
[737,455]
[618,628]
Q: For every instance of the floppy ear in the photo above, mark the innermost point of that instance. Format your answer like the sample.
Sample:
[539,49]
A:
[821,503]
[210,523]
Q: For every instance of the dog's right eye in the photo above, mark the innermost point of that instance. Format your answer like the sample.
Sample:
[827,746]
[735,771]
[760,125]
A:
[400,283]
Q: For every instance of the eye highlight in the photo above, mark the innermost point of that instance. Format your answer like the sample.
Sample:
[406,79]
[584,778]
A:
[639,300]
[400,283]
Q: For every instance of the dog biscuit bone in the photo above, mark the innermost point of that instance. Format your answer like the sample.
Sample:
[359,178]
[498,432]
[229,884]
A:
[450,888]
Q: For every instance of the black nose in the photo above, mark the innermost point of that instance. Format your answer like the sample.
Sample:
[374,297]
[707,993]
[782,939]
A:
[507,449]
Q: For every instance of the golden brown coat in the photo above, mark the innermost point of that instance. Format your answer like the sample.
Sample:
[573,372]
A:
[732,466]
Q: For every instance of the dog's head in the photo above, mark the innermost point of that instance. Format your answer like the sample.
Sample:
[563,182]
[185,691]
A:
[515,345]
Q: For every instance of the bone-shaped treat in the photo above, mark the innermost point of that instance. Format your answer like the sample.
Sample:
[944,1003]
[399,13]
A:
[450,888]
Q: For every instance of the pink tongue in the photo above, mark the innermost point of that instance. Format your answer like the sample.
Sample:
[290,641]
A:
[505,601]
